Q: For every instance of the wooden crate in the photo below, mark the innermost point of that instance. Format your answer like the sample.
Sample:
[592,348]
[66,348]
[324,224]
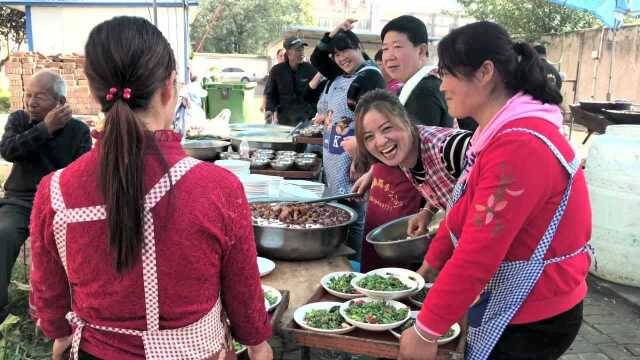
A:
[370,343]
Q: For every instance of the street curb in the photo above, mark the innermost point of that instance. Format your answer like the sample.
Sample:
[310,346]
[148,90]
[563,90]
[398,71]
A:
[628,294]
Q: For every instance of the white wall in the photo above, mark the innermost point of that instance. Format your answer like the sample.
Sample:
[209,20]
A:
[64,30]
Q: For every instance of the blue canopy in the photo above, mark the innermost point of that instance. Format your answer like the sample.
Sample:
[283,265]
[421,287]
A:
[610,12]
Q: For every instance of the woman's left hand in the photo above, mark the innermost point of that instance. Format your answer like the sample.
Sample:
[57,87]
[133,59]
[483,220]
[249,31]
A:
[414,348]
[60,345]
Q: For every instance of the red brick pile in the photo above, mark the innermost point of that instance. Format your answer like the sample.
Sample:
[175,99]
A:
[21,66]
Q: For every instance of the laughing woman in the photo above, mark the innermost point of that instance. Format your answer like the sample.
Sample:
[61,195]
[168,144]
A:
[512,249]
[339,58]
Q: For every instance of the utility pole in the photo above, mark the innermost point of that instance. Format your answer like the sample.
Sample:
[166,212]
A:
[155,13]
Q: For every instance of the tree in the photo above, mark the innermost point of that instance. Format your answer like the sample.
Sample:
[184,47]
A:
[528,20]
[12,30]
[247,26]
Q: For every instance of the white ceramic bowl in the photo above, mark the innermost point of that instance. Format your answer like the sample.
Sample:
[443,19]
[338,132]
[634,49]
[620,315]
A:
[411,275]
[265,266]
[374,327]
[325,284]
[386,295]
[441,341]
[274,292]
[298,317]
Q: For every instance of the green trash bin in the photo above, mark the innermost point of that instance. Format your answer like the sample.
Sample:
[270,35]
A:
[236,97]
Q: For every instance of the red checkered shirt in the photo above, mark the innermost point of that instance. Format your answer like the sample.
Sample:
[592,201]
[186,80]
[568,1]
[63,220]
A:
[438,184]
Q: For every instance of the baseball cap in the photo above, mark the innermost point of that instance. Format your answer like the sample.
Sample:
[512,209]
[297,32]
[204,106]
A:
[292,42]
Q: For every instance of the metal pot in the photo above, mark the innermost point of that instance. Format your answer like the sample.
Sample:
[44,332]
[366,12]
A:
[263,140]
[302,244]
[390,240]
[204,149]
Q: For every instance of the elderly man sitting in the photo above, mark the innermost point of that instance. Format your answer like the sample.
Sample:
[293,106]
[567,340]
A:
[37,141]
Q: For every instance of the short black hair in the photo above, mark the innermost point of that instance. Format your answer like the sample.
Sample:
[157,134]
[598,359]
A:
[344,40]
[378,56]
[540,49]
[411,26]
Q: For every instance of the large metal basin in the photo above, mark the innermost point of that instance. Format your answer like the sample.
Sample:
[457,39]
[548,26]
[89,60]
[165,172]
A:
[263,139]
[391,243]
[204,149]
[301,244]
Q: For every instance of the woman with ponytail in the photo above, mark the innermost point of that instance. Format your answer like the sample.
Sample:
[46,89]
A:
[512,249]
[138,250]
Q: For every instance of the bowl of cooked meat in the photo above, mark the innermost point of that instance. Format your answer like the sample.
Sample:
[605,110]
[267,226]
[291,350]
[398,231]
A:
[298,231]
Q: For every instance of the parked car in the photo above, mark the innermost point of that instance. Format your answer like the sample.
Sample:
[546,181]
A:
[234,74]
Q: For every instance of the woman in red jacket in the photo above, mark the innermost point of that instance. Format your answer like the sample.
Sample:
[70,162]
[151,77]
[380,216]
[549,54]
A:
[512,248]
[144,251]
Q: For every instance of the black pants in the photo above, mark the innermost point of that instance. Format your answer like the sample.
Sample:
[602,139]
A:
[542,340]
[14,230]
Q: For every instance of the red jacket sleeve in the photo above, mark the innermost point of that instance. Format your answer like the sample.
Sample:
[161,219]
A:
[511,179]
[441,248]
[241,290]
[49,300]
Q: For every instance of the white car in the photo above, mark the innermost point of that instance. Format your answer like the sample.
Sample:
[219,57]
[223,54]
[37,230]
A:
[235,74]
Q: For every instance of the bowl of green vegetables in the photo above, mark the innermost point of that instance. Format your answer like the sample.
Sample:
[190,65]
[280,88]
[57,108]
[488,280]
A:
[453,332]
[322,317]
[384,286]
[338,284]
[375,314]
[272,297]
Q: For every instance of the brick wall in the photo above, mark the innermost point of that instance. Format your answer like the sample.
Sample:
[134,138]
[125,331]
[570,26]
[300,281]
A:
[21,66]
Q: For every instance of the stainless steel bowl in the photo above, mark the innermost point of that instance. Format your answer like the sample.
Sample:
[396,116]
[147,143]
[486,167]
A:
[307,156]
[281,164]
[204,149]
[259,163]
[302,244]
[305,163]
[391,243]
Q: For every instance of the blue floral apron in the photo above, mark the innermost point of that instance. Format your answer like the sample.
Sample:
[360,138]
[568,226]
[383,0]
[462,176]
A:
[336,161]
[510,286]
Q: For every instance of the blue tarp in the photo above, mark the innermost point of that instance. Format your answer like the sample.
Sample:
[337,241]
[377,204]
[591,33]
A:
[610,12]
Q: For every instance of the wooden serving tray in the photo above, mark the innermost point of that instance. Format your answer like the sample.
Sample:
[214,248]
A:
[376,344]
[292,174]
[313,140]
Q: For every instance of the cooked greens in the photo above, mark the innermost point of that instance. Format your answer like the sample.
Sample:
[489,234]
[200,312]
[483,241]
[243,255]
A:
[420,295]
[237,347]
[203,137]
[410,323]
[375,312]
[407,325]
[382,283]
[272,299]
[325,319]
[342,283]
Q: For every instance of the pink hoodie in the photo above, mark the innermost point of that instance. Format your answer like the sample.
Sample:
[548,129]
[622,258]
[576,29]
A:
[520,106]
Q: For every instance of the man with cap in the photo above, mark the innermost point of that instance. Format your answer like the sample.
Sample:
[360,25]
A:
[287,83]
